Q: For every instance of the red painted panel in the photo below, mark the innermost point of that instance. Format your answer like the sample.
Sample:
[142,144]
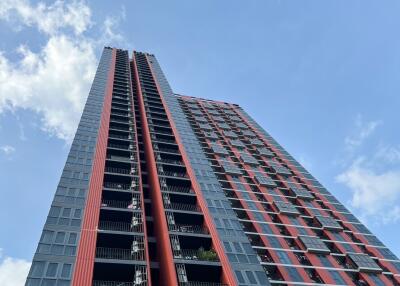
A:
[141,187]
[167,266]
[228,275]
[83,273]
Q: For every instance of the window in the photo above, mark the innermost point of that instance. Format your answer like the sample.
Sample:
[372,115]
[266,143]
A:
[72,238]
[364,262]
[283,257]
[52,270]
[337,277]
[314,244]
[239,276]
[328,222]
[66,271]
[286,208]
[47,236]
[37,268]
[265,180]
[60,237]
[251,277]
[294,274]
[325,261]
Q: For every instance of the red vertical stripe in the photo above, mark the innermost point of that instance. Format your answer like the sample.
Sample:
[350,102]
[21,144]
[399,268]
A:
[228,275]
[167,266]
[83,273]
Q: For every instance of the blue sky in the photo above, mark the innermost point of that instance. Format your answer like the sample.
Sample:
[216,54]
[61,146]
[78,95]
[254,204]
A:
[322,77]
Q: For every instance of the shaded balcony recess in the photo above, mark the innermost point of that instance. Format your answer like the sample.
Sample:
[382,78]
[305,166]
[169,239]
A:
[183,207]
[119,226]
[196,254]
[133,204]
[119,254]
[113,274]
[188,228]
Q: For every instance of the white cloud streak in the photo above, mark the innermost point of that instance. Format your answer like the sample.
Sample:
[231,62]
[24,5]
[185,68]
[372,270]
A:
[362,131]
[7,149]
[13,271]
[53,82]
[375,194]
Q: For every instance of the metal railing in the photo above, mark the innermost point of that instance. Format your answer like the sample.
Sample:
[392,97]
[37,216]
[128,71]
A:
[113,283]
[120,204]
[119,226]
[171,161]
[118,186]
[119,146]
[117,170]
[196,254]
[120,158]
[175,174]
[169,150]
[119,253]
[188,228]
[178,189]
[199,283]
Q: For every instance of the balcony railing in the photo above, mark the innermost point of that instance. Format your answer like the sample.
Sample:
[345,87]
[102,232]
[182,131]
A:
[189,228]
[121,204]
[178,189]
[120,158]
[119,226]
[198,283]
[196,254]
[115,283]
[117,186]
[119,253]
[118,171]
[119,146]
[183,207]
[169,150]
[175,174]
[170,161]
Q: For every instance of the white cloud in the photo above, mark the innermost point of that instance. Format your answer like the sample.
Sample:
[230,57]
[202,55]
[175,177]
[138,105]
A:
[13,271]
[389,154]
[53,82]
[375,194]
[7,149]
[362,131]
[48,19]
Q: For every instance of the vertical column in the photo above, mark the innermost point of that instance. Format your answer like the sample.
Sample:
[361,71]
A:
[167,269]
[87,246]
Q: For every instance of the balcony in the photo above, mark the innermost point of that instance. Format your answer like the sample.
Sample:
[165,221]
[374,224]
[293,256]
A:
[117,186]
[119,253]
[126,205]
[115,226]
[183,207]
[199,283]
[189,229]
[120,171]
[114,283]
[196,254]
[174,174]
[178,189]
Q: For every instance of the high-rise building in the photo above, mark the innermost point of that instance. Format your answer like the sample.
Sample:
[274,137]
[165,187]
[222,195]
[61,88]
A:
[166,189]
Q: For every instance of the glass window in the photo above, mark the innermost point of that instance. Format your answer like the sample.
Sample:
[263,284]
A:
[37,268]
[60,237]
[66,271]
[52,269]
[239,276]
[251,277]
[337,277]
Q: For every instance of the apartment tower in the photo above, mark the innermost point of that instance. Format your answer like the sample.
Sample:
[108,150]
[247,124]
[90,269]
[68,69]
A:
[166,189]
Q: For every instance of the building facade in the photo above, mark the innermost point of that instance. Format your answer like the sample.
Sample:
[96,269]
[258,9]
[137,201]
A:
[165,189]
